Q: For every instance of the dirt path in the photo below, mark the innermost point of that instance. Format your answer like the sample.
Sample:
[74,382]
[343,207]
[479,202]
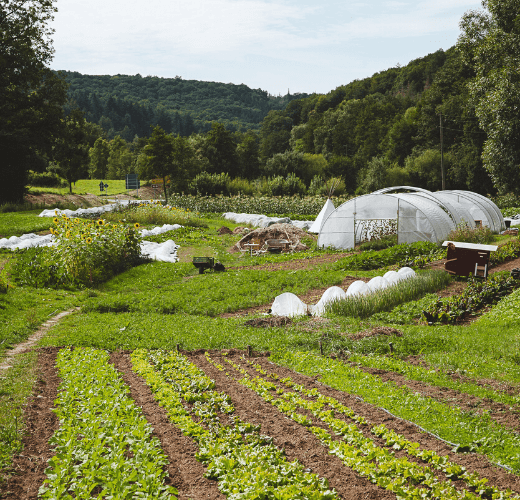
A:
[33,339]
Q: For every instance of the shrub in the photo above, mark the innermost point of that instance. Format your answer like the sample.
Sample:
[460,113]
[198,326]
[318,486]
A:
[320,187]
[510,212]
[240,186]
[278,186]
[466,234]
[506,201]
[46,179]
[210,184]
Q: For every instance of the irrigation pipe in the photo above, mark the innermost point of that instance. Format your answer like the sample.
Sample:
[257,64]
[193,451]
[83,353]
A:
[505,467]
[428,432]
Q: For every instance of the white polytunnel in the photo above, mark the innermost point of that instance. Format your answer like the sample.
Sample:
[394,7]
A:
[480,208]
[415,215]
[458,212]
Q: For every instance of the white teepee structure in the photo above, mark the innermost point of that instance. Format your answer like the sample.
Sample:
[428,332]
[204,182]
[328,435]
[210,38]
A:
[325,211]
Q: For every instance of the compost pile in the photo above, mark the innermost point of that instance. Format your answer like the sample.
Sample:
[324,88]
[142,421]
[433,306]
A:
[275,232]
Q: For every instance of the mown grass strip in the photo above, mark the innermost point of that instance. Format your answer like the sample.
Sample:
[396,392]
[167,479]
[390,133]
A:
[246,464]
[104,447]
[433,377]
[477,432]
[359,452]
[16,384]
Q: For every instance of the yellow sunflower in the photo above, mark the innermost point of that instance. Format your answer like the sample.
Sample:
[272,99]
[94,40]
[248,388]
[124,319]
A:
[137,225]
[100,222]
[89,240]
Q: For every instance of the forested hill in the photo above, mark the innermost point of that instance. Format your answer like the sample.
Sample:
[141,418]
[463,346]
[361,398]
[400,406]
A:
[128,105]
[384,130]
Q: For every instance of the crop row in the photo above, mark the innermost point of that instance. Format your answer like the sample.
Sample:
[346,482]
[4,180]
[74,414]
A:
[476,432]
[245,463]
[104,445]
[407,479]
[431,376]
[477,295]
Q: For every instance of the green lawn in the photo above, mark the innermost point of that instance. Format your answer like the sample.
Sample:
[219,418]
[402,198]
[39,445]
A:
[18,223]
[85,186]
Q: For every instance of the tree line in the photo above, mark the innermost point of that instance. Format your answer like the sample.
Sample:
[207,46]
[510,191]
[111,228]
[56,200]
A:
[393,128]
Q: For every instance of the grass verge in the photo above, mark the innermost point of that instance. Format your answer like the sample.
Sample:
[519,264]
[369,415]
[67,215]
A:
[16,385]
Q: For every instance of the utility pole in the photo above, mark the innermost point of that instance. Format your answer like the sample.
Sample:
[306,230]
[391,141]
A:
[442,158]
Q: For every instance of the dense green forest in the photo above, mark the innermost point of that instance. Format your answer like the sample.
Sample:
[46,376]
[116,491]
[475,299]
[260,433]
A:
[129,105]
[371,133]
[386,129]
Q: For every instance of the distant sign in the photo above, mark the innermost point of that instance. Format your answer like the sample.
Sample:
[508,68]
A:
[103,187]
[132,181]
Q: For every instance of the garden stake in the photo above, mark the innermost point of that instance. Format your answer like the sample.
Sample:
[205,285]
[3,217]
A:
[249,351]
[178,347]
[391,347]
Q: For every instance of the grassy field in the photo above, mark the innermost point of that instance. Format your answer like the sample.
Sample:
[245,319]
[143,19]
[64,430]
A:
[84,186]
[162,305]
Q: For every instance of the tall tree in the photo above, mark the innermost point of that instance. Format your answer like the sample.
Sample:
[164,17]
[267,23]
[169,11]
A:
[490,42]
[31,95]
[71,151]
[221,150]
[159,157]
[99,159]
[120,159]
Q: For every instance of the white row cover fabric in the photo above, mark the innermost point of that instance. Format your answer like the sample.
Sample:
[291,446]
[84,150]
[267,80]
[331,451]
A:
[288,304]
[419,215]
[258,220]
[89,211]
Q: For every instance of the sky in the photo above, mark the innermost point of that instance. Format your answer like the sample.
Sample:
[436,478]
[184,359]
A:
[275,45]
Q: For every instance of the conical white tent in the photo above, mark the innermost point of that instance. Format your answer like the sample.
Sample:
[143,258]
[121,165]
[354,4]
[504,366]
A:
[325,211]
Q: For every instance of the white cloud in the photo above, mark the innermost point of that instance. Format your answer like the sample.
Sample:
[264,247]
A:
[230,40]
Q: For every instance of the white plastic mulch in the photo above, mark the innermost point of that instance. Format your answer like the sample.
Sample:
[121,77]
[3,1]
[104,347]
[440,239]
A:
[264,221]
[288,304]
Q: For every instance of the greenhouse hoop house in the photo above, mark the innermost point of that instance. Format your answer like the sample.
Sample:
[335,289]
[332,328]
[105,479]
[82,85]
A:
[414,215]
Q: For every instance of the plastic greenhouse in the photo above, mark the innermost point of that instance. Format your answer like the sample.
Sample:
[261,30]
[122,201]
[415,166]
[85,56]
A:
[416,215]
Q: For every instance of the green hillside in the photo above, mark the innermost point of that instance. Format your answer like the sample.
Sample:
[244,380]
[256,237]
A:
[129,105]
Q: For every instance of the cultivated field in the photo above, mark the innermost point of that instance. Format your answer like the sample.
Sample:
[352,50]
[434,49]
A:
[163,383]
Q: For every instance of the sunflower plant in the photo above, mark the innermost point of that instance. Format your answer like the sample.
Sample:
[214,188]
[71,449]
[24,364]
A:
[93,250]
[85,252]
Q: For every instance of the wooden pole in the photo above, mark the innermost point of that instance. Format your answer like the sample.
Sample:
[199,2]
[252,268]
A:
[443,180]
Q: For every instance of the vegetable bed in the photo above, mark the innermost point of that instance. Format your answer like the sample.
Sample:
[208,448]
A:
[226,425]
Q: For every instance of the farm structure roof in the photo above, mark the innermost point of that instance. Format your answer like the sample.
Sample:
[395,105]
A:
[414,215]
